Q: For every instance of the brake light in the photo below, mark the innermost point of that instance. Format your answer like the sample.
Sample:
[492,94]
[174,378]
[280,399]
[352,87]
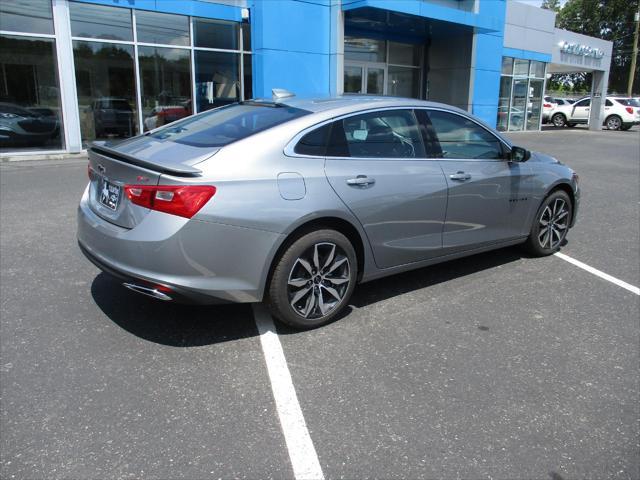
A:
[182,200]
[629,110]
[90,172]
[547,105]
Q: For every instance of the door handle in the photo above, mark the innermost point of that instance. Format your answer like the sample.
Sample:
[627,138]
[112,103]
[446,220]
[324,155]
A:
[460,176]
[361,181]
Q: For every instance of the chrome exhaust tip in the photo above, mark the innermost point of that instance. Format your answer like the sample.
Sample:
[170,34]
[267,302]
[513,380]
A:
[150,292]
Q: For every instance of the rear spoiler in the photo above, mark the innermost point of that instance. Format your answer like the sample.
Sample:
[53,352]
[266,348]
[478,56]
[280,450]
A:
[178,171]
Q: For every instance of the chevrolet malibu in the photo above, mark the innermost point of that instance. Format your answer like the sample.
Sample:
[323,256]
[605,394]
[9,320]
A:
[295,201]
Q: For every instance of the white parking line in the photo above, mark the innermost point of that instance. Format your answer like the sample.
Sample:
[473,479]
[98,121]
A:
[598,273]
[301,450]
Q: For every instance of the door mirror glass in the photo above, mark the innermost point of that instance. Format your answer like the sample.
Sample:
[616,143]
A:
[519,154]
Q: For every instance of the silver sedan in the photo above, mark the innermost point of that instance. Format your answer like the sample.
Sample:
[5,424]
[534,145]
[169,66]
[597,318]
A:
[294,201]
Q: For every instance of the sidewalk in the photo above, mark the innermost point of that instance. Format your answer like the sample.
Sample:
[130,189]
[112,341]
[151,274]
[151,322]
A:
[22,157]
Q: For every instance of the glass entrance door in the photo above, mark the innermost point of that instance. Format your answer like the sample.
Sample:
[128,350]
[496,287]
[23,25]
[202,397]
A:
[370,79]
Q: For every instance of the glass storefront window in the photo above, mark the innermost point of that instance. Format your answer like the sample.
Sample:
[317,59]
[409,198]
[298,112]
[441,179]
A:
[30,112]
[246,36]
[403,82]
[537,69]
[98,21]
[375,81]
[27,16]
[352,79]
[217,79]
[165,85]
[106,90]
[404,54]
[215,34]
[518,111]
[364,49]
[534,104]
[162,28]
[248,77]
[521,67]
[507,65]
[503,103]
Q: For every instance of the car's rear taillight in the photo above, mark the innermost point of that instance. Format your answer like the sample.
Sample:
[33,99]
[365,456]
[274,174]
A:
[90,172]
[629,110]
[181,200]
[547,105]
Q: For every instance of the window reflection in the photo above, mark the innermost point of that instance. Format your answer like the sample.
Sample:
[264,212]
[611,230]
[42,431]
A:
[162,28]
[165,76]
[29,16]
[217,79]
[30,114]
[106,90]
[98,21]
[215,34]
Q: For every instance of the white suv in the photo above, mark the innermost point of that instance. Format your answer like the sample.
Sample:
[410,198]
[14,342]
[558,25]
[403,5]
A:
[619,113]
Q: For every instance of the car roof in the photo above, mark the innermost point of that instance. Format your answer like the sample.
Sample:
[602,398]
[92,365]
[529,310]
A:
[346,103]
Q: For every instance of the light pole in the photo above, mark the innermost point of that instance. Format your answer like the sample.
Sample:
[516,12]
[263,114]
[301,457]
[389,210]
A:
[632,73]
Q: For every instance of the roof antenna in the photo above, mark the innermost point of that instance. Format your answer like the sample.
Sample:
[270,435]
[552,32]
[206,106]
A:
[280,93]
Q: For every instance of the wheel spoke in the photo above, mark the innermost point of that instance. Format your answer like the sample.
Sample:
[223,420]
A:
[323,307]
[543,231]
[316,260]
[333,292]
[298,282]
[545,239]
[306,265]
[561,215]
[299,295]
[330,256]
[337,280]
[560,226]
[337,264]
[311,303]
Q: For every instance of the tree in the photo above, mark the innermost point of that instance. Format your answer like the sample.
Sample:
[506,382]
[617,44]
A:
[611,20]
[551,5]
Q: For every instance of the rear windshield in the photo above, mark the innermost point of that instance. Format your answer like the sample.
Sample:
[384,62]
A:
[227,124]
[627,102]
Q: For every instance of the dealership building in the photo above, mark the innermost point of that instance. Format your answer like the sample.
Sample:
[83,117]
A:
[75,71]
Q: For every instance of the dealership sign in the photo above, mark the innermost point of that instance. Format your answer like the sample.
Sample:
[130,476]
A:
[583,50]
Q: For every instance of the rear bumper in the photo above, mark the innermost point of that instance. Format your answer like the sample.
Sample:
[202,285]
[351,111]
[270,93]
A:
[202,262]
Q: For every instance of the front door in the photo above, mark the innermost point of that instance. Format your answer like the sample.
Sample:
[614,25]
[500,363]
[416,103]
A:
[488,197]
[367,78]
[581,111]
[383,177]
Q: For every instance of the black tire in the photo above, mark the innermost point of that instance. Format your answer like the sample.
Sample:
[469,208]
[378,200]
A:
[559,120]
[613,122]
[322,280]
[540,243]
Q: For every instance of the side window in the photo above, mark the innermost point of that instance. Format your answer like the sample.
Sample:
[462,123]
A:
[459,137]
[584,103]
[315,142]
[608,103]
[383,134]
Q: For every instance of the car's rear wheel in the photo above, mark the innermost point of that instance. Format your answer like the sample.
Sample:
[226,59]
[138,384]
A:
[613,122]
[559,120]
[550,225]
[313,279]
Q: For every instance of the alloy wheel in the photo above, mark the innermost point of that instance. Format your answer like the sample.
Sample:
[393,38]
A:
[613,123]
[554,223]
[318,280]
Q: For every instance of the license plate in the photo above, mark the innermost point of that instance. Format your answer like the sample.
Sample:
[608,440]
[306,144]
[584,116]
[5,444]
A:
[109,195]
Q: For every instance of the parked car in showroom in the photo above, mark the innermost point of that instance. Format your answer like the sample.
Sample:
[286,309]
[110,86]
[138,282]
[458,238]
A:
[112,116]
[26,127]
[294,201]
[619,113]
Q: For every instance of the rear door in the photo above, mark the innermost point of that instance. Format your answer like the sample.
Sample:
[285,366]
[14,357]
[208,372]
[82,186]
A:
[488,197]
[376,164]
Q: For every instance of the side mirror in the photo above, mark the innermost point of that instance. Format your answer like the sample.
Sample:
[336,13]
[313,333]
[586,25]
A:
[519,154]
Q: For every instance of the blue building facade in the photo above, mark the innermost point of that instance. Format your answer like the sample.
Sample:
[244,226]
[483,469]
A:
[102,68]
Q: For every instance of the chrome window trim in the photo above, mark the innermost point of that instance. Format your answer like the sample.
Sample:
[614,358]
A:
[289,149]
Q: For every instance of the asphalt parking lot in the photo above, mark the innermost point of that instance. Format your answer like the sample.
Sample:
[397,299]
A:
[494,366]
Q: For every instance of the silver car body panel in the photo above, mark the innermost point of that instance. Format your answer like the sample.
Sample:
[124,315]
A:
[412,216]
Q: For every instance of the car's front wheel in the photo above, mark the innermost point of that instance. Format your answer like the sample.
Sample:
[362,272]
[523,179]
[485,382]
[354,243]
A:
[313,279]
[551,225]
